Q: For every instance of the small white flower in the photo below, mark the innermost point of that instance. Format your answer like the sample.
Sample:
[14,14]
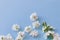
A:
[36,24]
[22,34]
[56,36]
[48,33]
[34,33]
[19,38]
[2,37]
[28,29]
[33,17]
[15,27]
[9,37]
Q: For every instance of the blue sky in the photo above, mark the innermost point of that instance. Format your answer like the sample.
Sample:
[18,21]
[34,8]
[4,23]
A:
[18,12]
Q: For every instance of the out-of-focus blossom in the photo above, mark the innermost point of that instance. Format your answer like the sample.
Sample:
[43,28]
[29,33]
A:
[28,29]
[36,24]
[34,33]
[33,17]
[15,27]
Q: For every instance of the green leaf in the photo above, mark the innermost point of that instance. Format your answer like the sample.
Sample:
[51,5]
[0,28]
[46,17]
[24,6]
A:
[47,29]
[44,24]
[50,29]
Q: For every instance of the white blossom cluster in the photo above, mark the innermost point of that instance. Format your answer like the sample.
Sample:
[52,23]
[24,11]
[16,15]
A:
[49,32]
[7,37]
[56,36]
[29,29]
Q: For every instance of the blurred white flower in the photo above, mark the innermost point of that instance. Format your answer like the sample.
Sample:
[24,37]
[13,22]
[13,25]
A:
[2,37]
[34,33]
[33,16]
[22,34]
[19,38]
[48,33]
[36,24]
[56,36]
[9,37]
[15,27]
[28,29]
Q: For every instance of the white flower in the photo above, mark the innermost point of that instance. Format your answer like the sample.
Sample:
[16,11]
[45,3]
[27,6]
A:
[2,37]
[36,24]
[33,17]
[9,37]
[48,33]
[15,27]
[34,33]
[22,34]
[19,38]
[56,36]
[28,29]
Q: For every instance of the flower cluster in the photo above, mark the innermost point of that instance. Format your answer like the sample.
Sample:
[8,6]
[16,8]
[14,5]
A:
[28,29]
[7,37]
[47,29]
[49,32]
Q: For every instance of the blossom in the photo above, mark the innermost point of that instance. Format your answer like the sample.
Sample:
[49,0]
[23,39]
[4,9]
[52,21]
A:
[56,36]
[34,33]
[33,17]
[9,37]
[22,34]
[2,37]
[36,24]
[49,33]
[15,27]
[28,29]
[19,38]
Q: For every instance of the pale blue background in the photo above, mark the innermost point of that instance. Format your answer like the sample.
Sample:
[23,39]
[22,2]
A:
[18,12]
